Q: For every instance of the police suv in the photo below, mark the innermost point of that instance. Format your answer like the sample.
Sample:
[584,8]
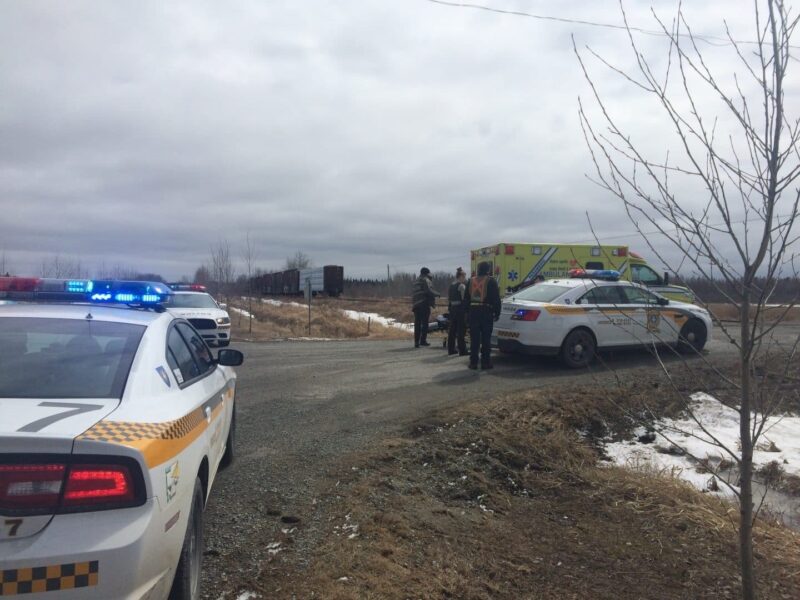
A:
[193,303]
[592,310]
[114,419]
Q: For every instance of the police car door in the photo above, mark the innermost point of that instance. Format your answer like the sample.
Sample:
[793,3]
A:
[645,314]
[605,312]
[201,381]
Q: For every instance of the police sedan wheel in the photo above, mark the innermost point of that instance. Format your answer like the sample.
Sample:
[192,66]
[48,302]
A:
[578,349]
[187,576]
[693,337]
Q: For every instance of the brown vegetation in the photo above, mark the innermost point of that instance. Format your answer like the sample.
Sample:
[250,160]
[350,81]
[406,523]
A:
[505,499]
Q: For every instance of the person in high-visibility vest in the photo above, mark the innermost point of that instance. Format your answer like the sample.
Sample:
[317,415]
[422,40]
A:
[484,309]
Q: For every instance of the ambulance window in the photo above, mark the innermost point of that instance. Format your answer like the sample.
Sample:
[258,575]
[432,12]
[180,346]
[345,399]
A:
[644,274]
[595,265]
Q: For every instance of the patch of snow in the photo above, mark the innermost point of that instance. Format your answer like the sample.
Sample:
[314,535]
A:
[247,596]
[357,315]
[242,312]
[779,442]
[272,302]
[311,339]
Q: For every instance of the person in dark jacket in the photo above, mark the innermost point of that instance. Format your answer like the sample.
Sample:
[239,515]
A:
[457,309]
[484,309]
[422,300]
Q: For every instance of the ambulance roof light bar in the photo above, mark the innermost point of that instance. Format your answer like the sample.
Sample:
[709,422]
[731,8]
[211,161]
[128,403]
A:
[599,274]
[37,289]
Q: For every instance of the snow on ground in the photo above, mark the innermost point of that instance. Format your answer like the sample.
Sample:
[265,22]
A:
[272,302]
[241,311]
[780,442]
[376,318]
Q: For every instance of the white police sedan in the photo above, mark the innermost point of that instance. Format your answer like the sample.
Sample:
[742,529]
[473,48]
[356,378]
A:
[114,419]
[574,318]
[193,303]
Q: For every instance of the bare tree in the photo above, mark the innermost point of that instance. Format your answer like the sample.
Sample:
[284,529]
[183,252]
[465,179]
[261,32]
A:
[738,152]
[300,260]
[57,266]
[3,263]
[250,257]
[222,269]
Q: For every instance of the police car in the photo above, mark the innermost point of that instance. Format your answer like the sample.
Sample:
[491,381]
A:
[114,419]
[593,310]
[191,302]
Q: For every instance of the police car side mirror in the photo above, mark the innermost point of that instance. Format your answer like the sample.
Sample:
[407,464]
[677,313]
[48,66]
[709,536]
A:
[663,301]
[230,358]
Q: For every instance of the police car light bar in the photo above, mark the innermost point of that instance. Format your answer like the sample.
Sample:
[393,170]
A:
[137,293]
[601,274]
[187,287]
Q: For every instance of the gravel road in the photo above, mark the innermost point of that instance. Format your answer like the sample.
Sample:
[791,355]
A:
[302,405]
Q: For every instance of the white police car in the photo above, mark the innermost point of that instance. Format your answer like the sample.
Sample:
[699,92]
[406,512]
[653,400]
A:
[593,310]
[191,302]
[114,419]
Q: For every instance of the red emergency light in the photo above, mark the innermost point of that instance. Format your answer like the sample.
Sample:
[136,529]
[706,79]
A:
[509,249]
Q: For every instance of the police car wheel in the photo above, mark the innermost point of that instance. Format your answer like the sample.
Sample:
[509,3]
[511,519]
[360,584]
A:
[578,349]
[230,453]
[224,344]
[693,337]
[186,585]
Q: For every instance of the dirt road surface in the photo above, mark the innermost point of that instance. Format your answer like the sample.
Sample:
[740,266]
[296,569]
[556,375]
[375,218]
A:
[304,405]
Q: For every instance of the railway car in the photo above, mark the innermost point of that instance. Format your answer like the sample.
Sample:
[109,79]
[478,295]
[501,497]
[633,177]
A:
[328,280]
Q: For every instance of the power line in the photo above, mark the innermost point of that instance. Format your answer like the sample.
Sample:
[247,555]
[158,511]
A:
[712,40]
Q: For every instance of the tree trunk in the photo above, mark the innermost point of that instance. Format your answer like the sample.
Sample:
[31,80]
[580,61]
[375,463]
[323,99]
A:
[746,467]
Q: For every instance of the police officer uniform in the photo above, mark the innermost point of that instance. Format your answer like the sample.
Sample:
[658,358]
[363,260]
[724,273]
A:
[484,308]
[457,308]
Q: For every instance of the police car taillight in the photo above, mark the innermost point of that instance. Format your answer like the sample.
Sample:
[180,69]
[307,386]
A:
[97,484]
[524,314]
[42,488]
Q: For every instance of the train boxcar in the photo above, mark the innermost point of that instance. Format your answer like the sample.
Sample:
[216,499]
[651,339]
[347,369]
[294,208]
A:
[328,280]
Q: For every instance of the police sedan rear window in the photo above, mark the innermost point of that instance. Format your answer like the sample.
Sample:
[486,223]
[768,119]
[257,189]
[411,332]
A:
[541,292]
[65,358]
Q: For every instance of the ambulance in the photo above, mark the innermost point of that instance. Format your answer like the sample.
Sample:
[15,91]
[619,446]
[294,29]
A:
[517,265]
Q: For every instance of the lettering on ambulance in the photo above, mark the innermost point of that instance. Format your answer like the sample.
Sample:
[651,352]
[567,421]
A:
[540,264]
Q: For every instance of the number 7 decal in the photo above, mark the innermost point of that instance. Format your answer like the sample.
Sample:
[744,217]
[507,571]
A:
[73,409]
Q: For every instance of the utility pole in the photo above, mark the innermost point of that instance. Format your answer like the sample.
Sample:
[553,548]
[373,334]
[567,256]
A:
[388,276]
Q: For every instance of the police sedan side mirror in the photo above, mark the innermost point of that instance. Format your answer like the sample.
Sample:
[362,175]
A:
[663,301]
[230,358]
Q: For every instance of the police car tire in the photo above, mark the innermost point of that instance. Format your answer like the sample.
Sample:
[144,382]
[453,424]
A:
[693,337]
[230,452]
[583,337]
[186,585]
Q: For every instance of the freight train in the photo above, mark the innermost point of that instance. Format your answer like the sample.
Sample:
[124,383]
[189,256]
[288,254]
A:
[328,280]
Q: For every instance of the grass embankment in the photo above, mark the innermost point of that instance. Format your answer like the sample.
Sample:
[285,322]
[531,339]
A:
[508,499]
[728,312]
[289,320]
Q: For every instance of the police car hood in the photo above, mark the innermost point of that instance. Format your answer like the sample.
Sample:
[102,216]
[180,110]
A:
[48,425]
[198,313]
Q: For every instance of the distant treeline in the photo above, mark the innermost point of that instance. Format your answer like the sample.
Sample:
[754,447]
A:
[397,287]
[786,290]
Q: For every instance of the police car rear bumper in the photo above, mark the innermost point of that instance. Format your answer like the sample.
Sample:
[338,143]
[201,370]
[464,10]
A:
[517,347]
[98,555]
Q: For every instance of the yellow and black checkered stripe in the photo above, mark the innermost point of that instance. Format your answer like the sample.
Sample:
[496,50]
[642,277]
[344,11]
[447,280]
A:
[159,442]
[51,578]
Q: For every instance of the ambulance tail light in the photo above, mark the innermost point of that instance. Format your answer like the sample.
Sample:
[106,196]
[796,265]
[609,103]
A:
[525,314]
[68,486]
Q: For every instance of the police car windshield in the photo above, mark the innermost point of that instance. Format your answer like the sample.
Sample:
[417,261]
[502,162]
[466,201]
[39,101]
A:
[65,358]
[191,301]
[541,292]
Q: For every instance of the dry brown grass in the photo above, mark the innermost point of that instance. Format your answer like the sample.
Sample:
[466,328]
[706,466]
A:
[728,312]
[289,321]
[505,500]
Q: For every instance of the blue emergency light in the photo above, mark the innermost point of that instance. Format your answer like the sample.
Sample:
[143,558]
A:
[135,293]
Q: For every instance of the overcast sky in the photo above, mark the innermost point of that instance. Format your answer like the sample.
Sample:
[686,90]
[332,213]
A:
[362,132]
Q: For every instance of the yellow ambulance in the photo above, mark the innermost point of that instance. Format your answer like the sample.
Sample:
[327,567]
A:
[518,265]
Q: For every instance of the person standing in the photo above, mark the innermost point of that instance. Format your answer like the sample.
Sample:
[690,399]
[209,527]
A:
[422,300]
[457,308]
[484,309]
